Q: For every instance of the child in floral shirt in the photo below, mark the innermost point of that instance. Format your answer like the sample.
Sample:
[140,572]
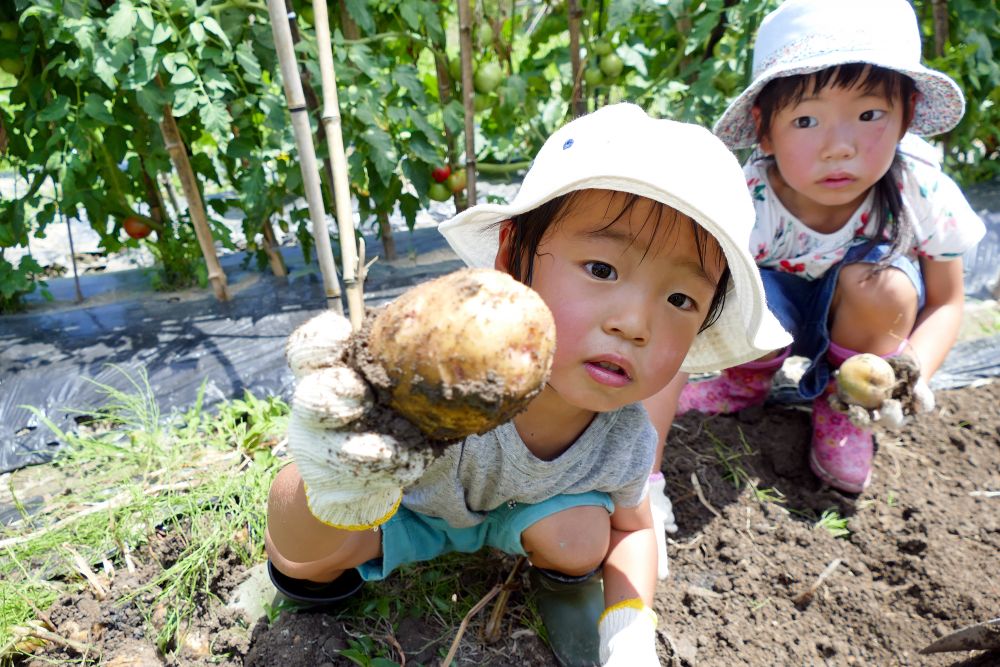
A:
[859,234]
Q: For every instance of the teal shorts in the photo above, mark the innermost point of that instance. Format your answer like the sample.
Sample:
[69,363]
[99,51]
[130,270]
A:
[411,537]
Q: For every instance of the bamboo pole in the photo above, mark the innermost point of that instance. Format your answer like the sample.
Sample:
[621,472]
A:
[576,103]
[341,189]
[468,94]
[295,100]
[270,244]
[196,209]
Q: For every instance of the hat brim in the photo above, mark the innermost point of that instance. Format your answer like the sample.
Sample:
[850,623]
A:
[745,329]
[940,104]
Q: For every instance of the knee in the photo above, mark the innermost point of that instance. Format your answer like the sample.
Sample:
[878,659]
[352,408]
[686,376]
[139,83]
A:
[574,541]
[886,295]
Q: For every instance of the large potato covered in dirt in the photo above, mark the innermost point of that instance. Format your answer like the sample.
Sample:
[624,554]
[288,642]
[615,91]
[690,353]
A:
[463,353]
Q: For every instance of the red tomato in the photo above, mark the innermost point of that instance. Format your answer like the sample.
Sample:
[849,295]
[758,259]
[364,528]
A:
[441,174]
[136,228]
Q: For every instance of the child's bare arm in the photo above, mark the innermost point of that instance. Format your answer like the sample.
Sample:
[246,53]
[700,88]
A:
[937,324]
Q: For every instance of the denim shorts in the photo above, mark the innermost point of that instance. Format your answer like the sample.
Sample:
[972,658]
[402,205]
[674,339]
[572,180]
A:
[410,537]
[803,307]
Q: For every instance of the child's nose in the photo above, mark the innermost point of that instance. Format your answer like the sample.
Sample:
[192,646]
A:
[629,322]
[839,143]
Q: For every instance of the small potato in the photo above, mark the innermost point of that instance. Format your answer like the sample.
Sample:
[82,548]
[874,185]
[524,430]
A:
[463,353]
[866,380]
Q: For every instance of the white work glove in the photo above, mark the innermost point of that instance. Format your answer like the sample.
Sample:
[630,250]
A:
[663,521]
[890,395]
[627,635]
[353,477]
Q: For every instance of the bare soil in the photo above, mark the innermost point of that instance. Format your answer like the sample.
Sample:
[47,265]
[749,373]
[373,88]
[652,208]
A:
[920,560]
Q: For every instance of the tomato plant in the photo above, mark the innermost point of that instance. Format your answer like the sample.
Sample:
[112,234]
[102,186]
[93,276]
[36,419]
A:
[85,85]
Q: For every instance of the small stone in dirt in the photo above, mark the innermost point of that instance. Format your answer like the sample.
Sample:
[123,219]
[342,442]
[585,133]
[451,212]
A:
[134,654]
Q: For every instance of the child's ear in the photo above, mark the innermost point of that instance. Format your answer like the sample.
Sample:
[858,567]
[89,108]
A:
[762,139]
[911,112]
[502,260]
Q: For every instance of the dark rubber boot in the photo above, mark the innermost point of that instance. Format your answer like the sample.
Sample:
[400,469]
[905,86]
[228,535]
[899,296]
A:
[570,608]
[310,594]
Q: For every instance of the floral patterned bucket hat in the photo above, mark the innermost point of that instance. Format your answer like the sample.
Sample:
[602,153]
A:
[806,36]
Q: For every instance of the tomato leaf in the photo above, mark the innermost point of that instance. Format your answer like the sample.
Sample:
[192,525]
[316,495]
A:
[122,22]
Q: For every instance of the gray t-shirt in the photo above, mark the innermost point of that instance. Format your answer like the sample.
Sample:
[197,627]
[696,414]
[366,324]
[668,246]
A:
[614,454]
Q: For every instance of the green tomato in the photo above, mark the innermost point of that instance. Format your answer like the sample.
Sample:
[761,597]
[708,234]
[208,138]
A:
[593,76]
[488,77]
[601,47]
[485,33]
[481,102]
[439,192]
[12,66]
[307,14]
[612,65]
[8,30]
[455,69]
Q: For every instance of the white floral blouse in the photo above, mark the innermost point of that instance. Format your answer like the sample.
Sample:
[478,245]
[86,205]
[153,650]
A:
[945,226]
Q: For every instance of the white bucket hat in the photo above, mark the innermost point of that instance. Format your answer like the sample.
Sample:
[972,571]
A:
[621,148]
[806,36]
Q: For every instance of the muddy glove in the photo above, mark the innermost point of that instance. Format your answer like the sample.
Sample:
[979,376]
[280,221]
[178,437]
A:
[449,358]
[353,476]
[663,521]
[873,390]
[627,633]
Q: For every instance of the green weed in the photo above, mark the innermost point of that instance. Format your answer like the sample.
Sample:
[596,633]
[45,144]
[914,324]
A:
[730,458]
[135,478]
[834,524]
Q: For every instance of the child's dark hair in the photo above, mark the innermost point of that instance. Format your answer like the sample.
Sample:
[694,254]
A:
[529,228]
[895,87]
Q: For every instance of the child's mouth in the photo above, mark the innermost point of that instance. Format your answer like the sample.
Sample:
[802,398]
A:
[608,373]
[837,181]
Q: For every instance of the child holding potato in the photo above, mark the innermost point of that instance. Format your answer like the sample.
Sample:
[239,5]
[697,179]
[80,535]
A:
[639,252]
[859,234]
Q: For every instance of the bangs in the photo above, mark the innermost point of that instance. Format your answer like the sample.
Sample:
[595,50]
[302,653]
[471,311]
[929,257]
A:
[530,228]
[788,91]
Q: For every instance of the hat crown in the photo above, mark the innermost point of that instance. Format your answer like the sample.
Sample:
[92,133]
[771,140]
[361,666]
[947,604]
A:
[861,30]
[620,147]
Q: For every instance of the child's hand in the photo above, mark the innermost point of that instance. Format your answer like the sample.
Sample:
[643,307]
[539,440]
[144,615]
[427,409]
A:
[458,355]
[627,634]
[353,473]
[872,390]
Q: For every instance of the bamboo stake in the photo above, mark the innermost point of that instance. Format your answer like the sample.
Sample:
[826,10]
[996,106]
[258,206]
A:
[468,95]
[295,100]
[270,243]
[576,103]
[196,209]
[341,189]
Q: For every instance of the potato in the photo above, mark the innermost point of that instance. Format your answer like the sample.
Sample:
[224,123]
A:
[463,353]
[866,380]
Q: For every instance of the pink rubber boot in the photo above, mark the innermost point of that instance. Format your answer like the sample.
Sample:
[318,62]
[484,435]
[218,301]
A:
[840,453]
[737,388]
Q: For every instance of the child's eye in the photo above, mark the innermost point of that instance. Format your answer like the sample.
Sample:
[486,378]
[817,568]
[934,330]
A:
[872,114]
[804,122]
[601,271]
[682,301]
